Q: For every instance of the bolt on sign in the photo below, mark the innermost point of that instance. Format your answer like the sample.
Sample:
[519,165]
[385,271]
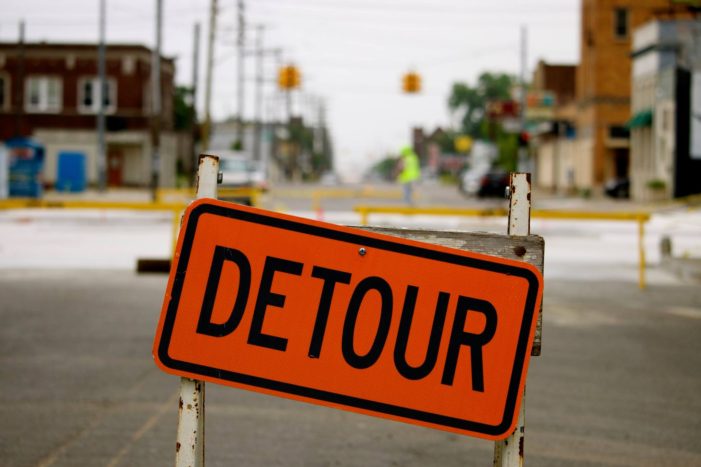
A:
[350,319]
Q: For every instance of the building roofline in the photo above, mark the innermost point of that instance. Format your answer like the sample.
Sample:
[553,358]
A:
[80,47]
[557,64]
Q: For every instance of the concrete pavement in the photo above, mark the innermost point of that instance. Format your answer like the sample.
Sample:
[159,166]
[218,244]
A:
[618,384]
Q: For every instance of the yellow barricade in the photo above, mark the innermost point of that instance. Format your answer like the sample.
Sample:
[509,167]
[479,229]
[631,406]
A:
[29,203]
[248,195]
[639,217]
[319,194]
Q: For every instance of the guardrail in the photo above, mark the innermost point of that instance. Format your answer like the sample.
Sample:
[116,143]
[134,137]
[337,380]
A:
[249,195]
[640,217]
[320,194]
[176,209]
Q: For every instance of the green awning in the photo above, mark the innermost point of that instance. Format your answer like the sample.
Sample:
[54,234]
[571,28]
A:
[641,119]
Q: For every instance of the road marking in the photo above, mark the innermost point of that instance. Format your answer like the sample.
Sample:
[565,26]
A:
[684,312]
[148,424]
[51,458]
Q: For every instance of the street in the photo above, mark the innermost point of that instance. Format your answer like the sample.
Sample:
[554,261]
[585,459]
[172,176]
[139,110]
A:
[617,383]
[548,153]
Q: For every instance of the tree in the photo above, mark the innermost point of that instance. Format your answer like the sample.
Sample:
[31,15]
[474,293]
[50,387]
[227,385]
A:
[473,100]
[183,108]
[306,157]
[385,168]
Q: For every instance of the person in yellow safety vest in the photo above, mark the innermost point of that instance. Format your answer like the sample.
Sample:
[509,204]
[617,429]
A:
[409,173]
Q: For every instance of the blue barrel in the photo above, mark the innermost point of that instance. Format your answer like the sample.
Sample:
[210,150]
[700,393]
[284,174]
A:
[26,163]
[71,174]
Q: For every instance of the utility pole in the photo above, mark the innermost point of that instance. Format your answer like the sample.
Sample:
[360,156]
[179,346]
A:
[19,104]
[522,163]
[101,145]
[156,104]
[240,64]
[278,65]
[321,128]
[557,154]
[208,84]
[325,149]
[259,94]
[195,61]
[193,94]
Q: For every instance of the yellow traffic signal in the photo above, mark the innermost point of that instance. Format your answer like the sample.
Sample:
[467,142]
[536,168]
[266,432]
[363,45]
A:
[411,82]
[462,143]
[288,77]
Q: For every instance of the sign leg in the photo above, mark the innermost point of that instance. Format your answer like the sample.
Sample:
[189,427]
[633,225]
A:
[509,452]
[189,447]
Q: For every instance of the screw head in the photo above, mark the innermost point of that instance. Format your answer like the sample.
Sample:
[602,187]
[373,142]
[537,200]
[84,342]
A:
[362,252]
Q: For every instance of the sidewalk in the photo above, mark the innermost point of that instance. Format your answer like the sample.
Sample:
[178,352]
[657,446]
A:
[111,194]
[545,199]
[684,267]
[687,269]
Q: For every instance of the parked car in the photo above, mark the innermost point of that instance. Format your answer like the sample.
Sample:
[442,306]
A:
[239,172]
[618,188]
[484,182]
[329,179]
[493,183]
[469,181]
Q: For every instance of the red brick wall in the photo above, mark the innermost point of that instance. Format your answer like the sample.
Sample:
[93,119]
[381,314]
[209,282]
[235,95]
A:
[47,59]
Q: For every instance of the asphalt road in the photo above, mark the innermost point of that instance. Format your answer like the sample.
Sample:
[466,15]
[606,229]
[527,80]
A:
[619,383]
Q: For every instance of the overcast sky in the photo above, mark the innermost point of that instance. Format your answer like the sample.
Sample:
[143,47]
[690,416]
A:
[352,53]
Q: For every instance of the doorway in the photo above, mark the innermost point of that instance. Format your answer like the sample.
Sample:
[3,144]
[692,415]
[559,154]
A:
[621,160]
[115,166]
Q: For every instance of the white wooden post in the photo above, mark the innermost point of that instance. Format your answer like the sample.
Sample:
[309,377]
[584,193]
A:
[189,447]
[509,452]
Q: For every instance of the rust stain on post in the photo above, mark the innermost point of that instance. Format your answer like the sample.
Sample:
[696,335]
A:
[520,447]
[519,204]
[191,422]
[207,175]
[509,452]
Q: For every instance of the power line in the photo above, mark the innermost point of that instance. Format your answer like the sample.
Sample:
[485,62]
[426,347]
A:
[421,8]
[323,24]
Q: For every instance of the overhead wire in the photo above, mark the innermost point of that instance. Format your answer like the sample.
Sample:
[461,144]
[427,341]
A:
[423,8]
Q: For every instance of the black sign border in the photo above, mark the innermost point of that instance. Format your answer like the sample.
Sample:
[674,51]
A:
[259,217]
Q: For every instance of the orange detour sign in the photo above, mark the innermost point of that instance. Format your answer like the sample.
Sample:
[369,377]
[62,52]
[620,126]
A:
[349,319]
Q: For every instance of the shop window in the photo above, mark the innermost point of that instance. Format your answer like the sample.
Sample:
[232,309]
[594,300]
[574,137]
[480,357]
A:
[89,95]
[620,23]
[43,94]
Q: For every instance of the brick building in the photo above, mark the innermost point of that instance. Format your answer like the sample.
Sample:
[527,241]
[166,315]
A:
[557,162]
[558,78]
[604,83]
[50,91]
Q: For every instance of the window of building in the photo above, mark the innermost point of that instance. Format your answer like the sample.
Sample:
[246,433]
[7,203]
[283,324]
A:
[4,92]
[43,94]
[89,95]
[128,65]
[620,23]
[618,132]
